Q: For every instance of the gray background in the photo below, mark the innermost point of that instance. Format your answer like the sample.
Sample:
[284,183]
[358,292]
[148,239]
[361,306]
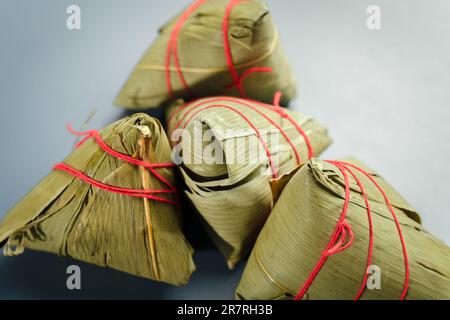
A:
[383,94]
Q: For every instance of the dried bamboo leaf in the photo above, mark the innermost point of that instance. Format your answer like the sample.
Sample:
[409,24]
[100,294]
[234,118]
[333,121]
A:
[234,197]
[277,185]
[299,227]
[69,217]
[253,42]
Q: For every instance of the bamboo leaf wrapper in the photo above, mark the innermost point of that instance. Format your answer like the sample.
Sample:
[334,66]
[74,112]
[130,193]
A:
[67,216]
[234,197]
[299,227]
[245,60]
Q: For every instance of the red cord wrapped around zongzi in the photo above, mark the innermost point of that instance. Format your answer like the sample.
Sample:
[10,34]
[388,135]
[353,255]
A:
[213,47]
[112,202]
[340,231]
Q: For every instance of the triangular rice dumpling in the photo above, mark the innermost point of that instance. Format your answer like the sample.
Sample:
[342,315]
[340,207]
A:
[295,255]
[213,47]
[228,174]
[132,226]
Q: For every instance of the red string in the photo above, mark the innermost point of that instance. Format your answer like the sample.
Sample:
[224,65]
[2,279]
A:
[369,218]
[150,166]
[342,229]
[238,80]
[172,50]
[337,233]
[172,47]
[246,102]
[258,134]
[278,109]
[243,103]
[397,224]
[297,126]
[277,98]
[130,192]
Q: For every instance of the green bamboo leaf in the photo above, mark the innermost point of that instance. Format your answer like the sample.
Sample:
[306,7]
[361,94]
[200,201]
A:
[253,41]
[69,217]
[235,197]
[301,224]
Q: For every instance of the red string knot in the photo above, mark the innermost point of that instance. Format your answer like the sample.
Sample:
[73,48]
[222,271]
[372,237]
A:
[344,239]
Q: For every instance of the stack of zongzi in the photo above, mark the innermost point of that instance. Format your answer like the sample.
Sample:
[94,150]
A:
[230,150]
[339,231]
[323,229]
[213,47]
[111,203]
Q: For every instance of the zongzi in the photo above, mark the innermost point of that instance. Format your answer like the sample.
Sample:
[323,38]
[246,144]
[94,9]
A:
[229,150]
[214,47]
[112,202]
[340,231]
